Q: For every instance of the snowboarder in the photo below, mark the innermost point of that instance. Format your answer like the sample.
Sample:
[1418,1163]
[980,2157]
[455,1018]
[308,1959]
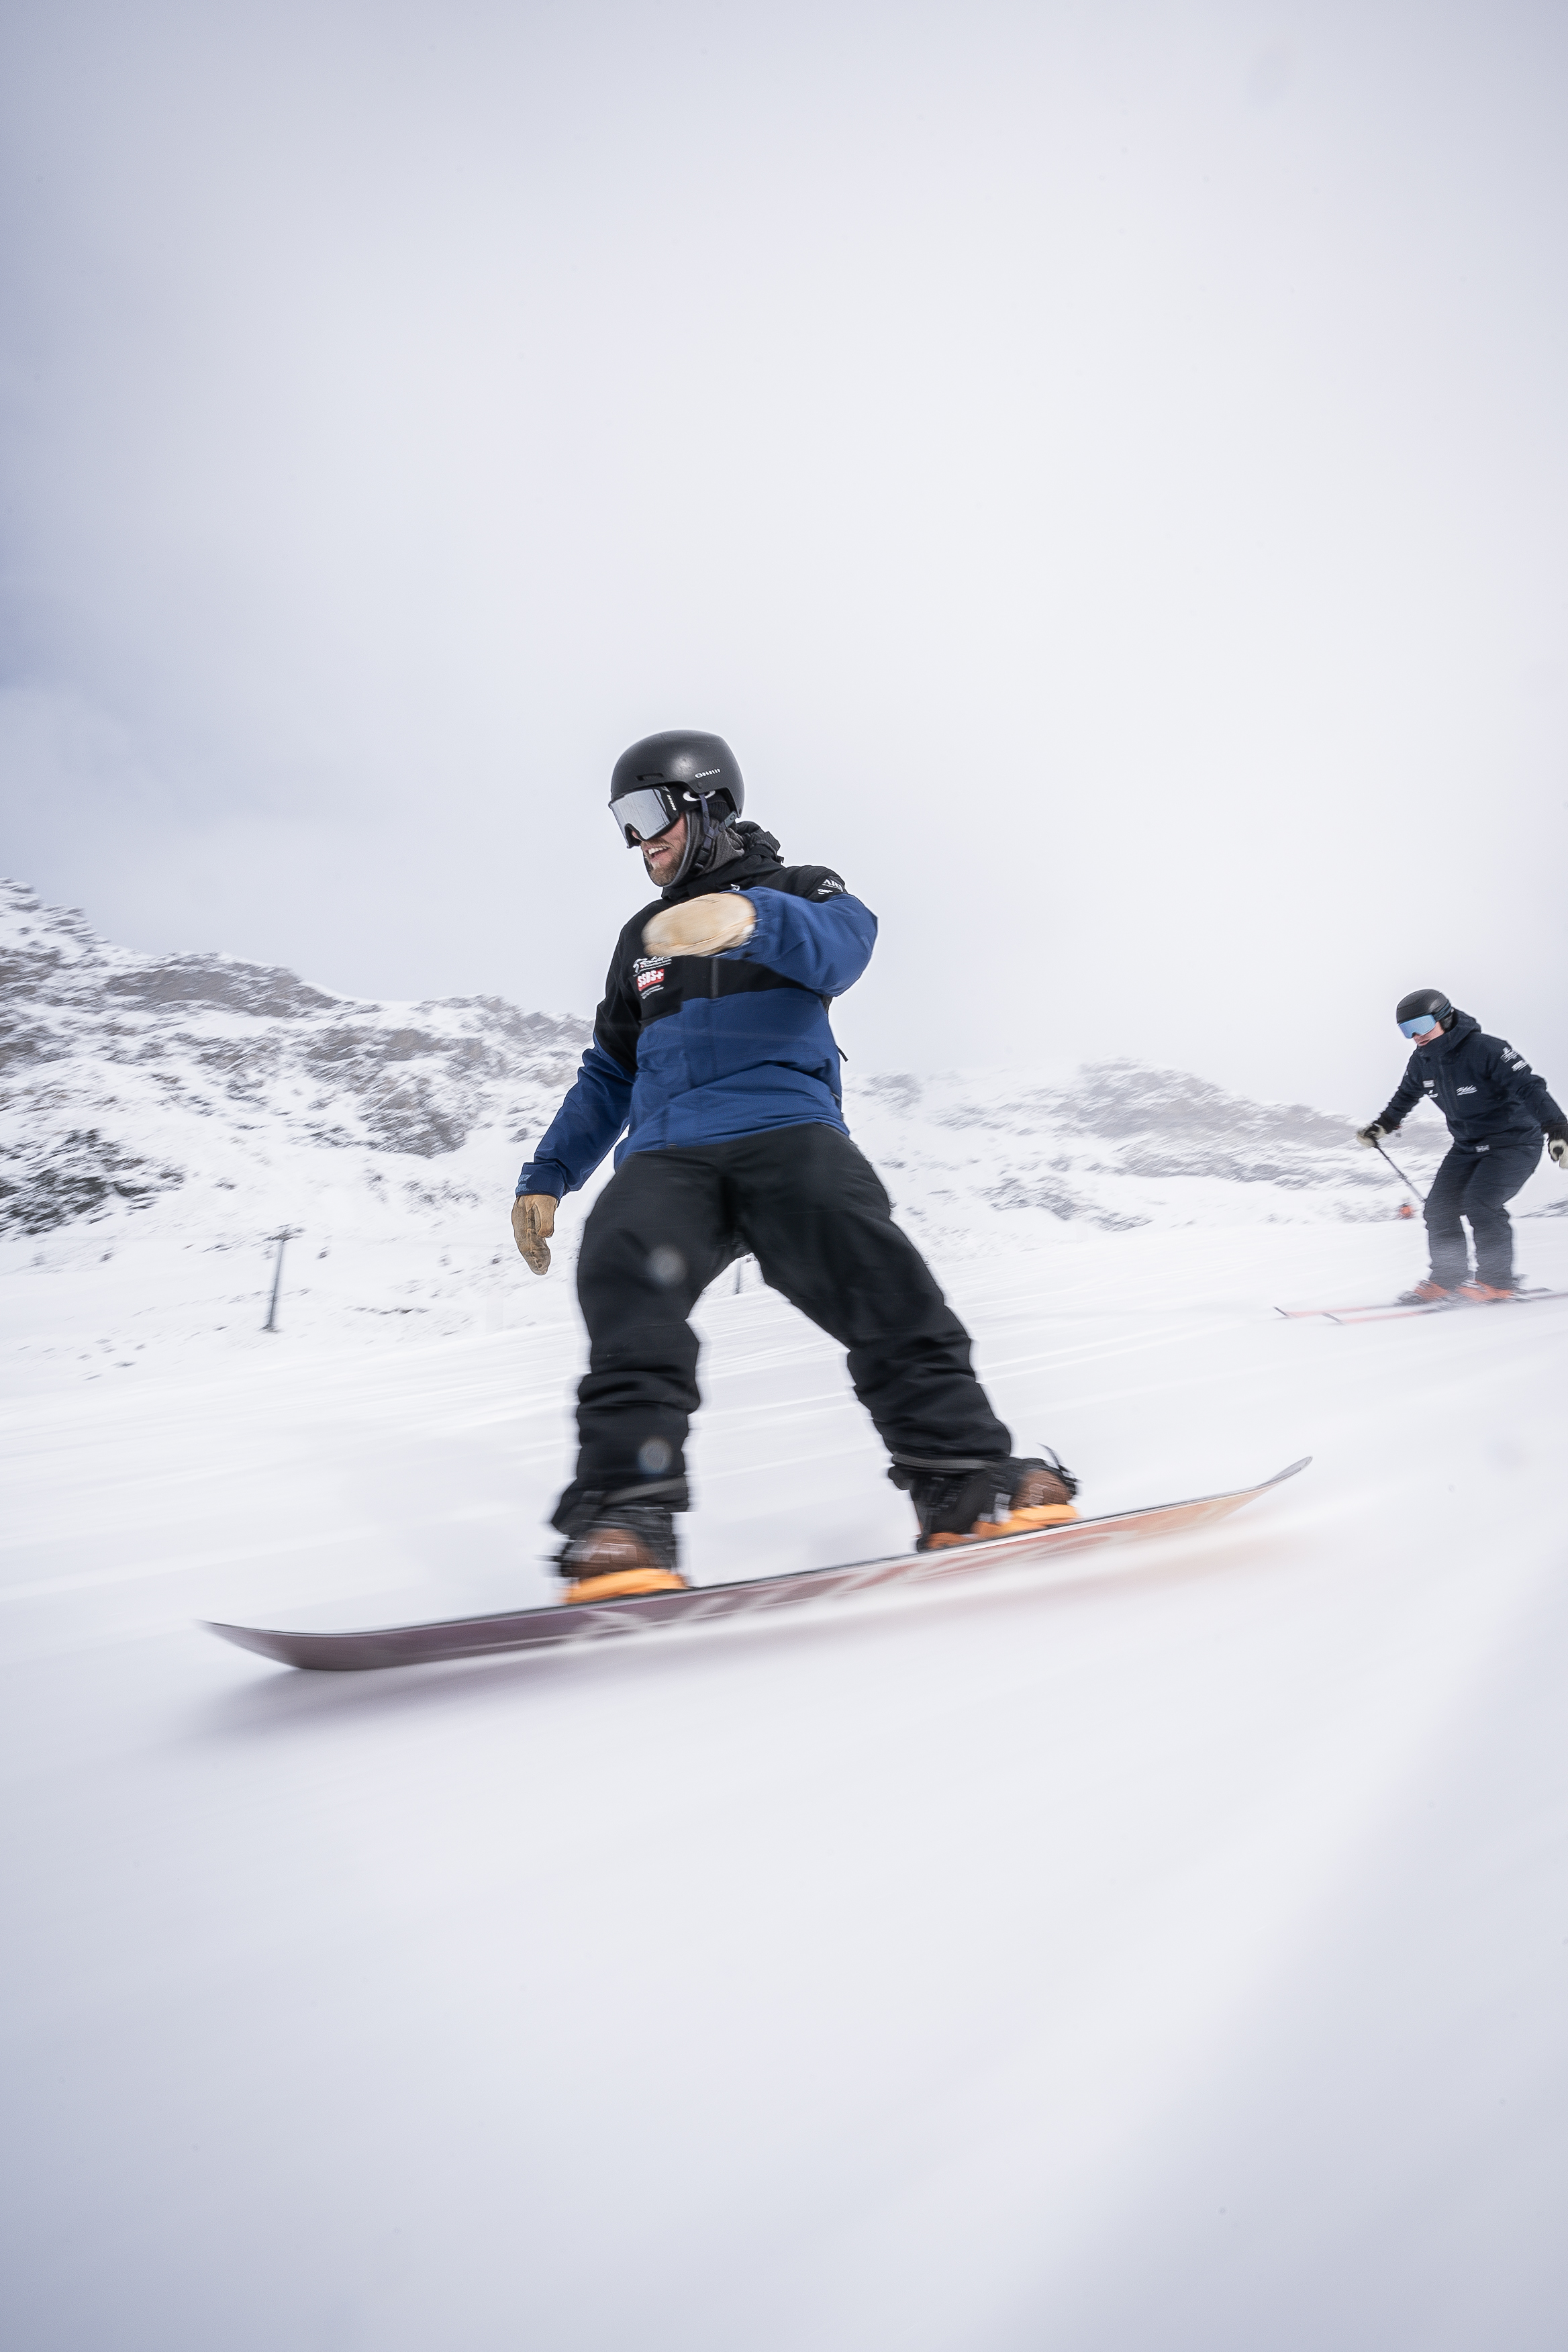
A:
[714,1061]
[1496,1107]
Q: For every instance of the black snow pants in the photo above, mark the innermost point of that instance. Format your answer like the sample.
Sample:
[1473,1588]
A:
[811,1208]
[1476,1185]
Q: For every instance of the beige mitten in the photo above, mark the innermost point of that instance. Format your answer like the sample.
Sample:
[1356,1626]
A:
[533,1222]
[701,927]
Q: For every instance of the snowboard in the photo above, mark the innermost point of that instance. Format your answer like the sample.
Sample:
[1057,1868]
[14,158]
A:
[565,1626]
[1387,1313]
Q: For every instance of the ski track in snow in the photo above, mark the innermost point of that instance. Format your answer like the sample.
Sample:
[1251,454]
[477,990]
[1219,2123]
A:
[1160,1952]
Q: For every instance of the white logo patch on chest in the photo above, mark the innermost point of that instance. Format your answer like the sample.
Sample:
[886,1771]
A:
[648,974]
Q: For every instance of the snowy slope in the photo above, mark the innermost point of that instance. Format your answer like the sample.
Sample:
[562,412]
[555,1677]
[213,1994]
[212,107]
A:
[1161,1957]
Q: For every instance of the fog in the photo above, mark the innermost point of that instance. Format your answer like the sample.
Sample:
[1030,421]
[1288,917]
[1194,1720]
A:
[1101,469]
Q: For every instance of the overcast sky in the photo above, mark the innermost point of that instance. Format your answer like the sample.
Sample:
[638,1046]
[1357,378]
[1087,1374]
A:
[1102,468]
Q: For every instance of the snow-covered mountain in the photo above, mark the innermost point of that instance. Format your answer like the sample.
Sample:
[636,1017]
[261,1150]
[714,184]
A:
[1116,1145]
[128,1078]
[218,1093]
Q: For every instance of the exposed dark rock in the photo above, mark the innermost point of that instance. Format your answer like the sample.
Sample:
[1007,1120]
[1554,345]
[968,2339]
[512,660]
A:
[264,991]
[80,1174]
[900,1090]
[1117,1099]
[1044,1193]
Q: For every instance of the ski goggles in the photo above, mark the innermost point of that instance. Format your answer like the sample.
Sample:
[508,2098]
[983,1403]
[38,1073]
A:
[1416,1028]
[644,814]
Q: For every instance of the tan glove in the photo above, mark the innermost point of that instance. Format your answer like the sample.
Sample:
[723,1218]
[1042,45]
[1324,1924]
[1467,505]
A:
[702,926]
[533,1222]
[1369,1137]
[1557,1144]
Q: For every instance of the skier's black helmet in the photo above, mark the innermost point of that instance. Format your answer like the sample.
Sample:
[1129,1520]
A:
[1429,1000]
[665,775]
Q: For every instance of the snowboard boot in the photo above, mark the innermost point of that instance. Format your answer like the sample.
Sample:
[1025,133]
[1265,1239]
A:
[1427,1293]
[624,1548]
[964,1503]
[1484,1294]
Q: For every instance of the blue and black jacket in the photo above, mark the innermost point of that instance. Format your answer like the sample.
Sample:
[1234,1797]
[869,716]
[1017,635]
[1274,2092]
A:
[701,1049]
[1488,1093]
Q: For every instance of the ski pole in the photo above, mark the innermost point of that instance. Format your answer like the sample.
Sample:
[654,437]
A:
[1401,1176]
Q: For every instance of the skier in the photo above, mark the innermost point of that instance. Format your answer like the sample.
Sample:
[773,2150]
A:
[1495,1107]
[712,1052]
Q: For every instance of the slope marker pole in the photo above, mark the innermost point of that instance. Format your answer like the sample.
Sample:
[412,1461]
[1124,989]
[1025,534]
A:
[285,1234]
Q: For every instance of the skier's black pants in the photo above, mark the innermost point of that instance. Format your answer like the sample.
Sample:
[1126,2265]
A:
[810,1208]
[1475,1184]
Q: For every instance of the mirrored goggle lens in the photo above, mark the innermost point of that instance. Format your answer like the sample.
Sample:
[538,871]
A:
[643,813]
[1416,1028]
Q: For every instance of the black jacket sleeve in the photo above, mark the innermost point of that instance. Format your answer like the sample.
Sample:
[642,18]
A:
[1510,1071]
[1404,1099]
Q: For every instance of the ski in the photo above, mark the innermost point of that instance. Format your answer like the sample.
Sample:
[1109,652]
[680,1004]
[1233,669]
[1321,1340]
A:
[565,1626]
[1387,1312]
[1441,1307]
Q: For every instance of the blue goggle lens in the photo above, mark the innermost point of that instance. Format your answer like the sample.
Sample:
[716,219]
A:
[1419,1026]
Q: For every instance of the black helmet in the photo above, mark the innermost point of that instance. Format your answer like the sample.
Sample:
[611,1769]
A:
[684,768]
[1428,1001]
[679,773]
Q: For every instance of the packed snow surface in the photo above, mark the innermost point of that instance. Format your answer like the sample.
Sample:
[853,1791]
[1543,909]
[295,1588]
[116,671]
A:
[1160,1955]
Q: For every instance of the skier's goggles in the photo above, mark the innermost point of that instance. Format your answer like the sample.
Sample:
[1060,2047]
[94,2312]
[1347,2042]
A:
[642,816]
[1416,1028]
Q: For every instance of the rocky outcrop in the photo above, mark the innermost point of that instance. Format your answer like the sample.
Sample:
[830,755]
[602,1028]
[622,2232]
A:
[123,1075]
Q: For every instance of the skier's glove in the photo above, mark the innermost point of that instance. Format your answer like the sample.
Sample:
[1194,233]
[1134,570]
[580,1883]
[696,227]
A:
[1557,1144]
[702,927]
[1370,1137]
[533,1222]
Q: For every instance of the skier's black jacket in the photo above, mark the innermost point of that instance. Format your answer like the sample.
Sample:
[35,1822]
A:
[702,1049]
[1486,1092]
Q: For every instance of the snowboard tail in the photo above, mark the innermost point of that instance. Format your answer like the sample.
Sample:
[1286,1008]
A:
[568,1624]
